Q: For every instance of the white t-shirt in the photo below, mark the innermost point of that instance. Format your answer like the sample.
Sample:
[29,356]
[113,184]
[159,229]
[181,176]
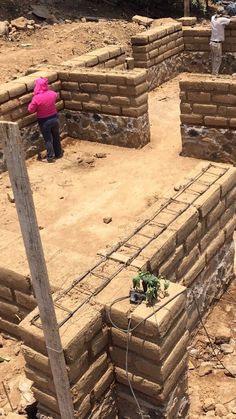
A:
[218,28]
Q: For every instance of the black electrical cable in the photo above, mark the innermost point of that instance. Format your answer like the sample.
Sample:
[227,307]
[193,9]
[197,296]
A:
[209,338]
[143,320]
[129,330]
[127,371]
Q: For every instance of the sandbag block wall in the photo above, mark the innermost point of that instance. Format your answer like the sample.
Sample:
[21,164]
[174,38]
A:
[107,106]
[189,239]
[159,51]
[208,117]
[112,56]
[15,97]
[16,300]
[196,57]
[157,357]
[84,339]
[95,356]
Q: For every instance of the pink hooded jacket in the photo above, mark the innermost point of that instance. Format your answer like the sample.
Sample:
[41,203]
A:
[44,100]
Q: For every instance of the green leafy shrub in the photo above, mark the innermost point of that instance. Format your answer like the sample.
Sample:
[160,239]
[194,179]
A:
[151,285]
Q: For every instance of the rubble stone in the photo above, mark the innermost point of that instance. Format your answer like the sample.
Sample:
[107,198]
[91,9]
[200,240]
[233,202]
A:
[220,410]
[222,335]
[205,369]
[21,23]
[209,404]
[142,20]
[4,28]
[226,348]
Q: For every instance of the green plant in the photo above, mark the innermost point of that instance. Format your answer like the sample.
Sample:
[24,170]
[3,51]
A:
[151,284]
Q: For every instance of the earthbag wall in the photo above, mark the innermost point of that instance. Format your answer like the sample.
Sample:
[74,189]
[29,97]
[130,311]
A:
[156,352]
[159,51]
[92,350]
[112,56]
[16,300]
[107,106]
[15,97]
[85,342]
[189,239]
[197,57]
[208,117]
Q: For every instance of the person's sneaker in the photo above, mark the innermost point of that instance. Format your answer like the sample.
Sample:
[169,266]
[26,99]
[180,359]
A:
[52,160]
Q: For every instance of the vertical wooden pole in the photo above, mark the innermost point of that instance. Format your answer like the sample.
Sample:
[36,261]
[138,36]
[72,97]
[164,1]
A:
[15,159]
[187,8]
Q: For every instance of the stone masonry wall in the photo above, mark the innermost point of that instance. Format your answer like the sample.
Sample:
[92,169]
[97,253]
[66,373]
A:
[14,99]
[108,107]
[159,51]
[16,300]
[104,105]
[189,239]
[208,117]
[198,38]
[170,49]
[196,57]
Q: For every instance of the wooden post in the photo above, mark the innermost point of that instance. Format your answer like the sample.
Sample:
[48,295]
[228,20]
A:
[186,8]
[15,159]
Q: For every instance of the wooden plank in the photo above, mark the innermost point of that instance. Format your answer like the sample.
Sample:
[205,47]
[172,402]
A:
[15,159]
[186,8]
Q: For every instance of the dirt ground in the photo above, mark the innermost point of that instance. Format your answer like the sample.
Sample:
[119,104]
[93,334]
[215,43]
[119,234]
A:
[72,198]
[56,43]
[212,390]
[52,43]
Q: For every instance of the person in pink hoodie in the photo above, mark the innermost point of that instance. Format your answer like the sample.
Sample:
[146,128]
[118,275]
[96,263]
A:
[44,104]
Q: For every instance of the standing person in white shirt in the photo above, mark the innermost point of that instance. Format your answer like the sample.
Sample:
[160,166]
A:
[218,23]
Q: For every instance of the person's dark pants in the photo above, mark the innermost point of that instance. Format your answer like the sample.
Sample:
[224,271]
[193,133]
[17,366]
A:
[50,131]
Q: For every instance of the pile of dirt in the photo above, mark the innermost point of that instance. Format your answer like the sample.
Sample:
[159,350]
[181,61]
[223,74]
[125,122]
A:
[52,44]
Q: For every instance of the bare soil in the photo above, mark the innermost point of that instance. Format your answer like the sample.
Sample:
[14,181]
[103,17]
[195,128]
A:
[72,198]
[54,43]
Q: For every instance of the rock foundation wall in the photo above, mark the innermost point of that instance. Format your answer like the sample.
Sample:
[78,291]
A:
[189,239]
[108,107]
[197,58]
[170,49]
[208,117]
[198,38]
[153,49]
[14,99]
